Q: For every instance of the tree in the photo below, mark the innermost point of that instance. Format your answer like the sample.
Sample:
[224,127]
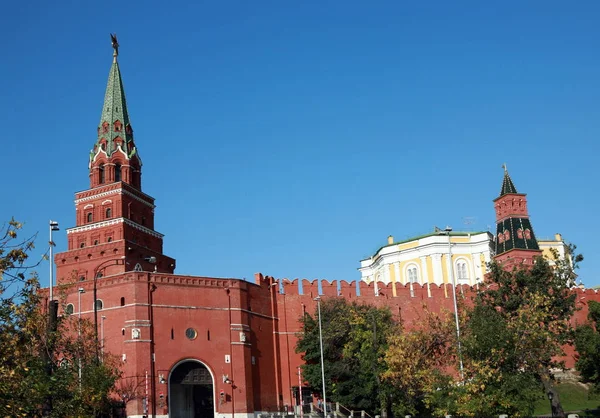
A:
[354,342]
[417,365]
[587,344]
[39,364]
[517,326]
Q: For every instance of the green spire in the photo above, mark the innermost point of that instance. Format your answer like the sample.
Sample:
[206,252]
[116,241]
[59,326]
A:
[114,130]
[507,183]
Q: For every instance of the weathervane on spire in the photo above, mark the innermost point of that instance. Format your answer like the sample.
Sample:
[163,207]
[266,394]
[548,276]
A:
[115,45]
[503,165]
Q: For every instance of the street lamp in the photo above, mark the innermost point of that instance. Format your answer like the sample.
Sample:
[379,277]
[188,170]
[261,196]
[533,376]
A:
[97,272]
[447,231]
[318,299]
[103,318]
[80,292]
[53,227]
[550,396]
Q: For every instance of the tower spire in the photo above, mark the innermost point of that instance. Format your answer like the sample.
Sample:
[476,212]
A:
[115,146]
[507,184]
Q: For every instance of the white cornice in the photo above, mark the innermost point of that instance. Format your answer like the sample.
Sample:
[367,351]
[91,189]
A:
[111,222]
[120,190]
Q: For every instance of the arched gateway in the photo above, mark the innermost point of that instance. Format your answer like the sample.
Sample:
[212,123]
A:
[191,391]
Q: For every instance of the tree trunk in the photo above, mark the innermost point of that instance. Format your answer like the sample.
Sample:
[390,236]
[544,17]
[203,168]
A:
[557,410]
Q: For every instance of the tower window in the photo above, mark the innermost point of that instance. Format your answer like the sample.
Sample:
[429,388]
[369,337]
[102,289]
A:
[101,171]
[108,213]
[99,304]
[82,245]
[118,172]
[109,239]
[95,242]
[90,217]
[122,301]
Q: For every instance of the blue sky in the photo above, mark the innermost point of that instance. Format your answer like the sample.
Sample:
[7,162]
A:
[291,138]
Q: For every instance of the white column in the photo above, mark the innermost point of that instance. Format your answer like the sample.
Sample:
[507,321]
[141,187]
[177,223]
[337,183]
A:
[438,277]
[397,270]
[477,267]
[425,275]
[424,269]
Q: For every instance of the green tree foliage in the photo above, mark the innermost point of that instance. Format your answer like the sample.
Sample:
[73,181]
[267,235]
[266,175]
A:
[416,366]
[516,327]
[587,344]
[354,342]
[39,365]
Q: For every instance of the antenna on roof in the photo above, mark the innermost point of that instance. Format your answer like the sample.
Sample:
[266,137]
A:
[469,220]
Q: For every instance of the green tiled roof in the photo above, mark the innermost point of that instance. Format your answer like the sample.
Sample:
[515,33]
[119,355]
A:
[115,109]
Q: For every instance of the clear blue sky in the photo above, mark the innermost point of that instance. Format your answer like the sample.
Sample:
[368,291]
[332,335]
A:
[291,138]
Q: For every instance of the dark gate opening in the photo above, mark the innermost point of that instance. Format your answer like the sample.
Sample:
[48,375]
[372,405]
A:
[191,391]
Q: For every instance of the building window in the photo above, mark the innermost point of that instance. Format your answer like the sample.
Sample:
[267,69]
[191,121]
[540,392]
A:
[95,242]
[99,304]
[82,245]
[413,274]
[122,301]
[191,333]
[90,217]
[118,172]
[69,309]
[109,239]
[108,213]
[462,271]
[101,173]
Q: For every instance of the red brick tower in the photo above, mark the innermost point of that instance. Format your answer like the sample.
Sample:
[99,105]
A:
[515,240]
[114,229]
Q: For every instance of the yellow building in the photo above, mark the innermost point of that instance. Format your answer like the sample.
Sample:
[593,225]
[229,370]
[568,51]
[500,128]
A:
[424,259]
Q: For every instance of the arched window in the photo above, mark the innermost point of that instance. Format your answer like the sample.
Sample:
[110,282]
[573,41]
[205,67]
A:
[462,270]
[99,304]
[90,217]
[101,173]
[413,274]
[109,239]
[108,213]
[82,245]
[118,172]
[69,309]
[138,267]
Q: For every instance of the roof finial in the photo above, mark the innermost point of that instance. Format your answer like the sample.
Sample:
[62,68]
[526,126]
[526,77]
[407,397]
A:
[503,165]
[115,45]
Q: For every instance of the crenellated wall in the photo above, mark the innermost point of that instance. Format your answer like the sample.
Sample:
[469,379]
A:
[292,298]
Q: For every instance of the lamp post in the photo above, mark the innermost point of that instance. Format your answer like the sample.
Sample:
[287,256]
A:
[102,335]
[53,226]
[80,292]
[97,270]
[550,396]
[318,299]
[447,231]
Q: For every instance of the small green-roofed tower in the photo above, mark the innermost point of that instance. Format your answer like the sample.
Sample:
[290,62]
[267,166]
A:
[515,240]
